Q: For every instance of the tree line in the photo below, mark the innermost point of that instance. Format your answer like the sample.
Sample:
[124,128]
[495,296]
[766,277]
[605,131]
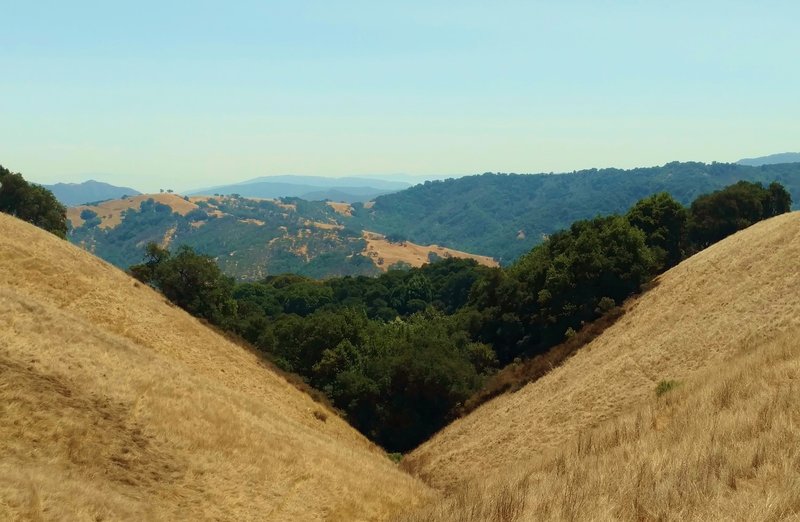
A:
[506,215]
[32,203]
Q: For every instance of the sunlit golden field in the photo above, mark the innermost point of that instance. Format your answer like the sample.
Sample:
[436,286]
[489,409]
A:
[116,405]
[721,445]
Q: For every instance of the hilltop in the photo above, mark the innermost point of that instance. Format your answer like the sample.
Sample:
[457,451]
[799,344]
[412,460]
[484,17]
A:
[250,238]
[591,438]
[772,159]
[117,405]
[505,215]
[310,188]
[70,194]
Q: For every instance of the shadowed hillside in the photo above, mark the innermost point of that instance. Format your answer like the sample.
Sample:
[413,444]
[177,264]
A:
[738,295]
[116,405]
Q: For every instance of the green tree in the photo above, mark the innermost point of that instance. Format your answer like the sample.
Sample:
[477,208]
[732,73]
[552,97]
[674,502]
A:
[190,280]
[32,203]
[715,216]
[664,222]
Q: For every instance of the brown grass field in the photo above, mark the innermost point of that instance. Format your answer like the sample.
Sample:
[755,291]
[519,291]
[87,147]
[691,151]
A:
[591,441]
[115,405]
[344,209]
[386,253]
[110,212]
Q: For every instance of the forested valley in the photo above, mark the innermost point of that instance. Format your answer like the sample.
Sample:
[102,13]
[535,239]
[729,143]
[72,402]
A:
[401,354]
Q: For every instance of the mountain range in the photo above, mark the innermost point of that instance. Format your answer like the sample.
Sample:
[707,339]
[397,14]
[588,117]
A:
[490,217]
[505,215]
[772,159]
[71,194]
[311,188]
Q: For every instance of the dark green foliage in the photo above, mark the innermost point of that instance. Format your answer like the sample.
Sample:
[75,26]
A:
[485,214]
[719,214]
[560,284]
[192,281]
[664,223]
[32,203]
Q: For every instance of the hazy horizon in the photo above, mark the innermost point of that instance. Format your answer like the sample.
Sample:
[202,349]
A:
[191,95]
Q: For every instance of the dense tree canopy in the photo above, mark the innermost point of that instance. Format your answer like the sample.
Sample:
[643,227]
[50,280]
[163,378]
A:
[192,281]
[664,222]
[505,215]
[32,203]
[721,213]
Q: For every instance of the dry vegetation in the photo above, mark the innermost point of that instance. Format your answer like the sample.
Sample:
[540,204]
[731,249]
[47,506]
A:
[116,405]
[385,253]
[721,446]
[342,208]
[572,460]
[110,212]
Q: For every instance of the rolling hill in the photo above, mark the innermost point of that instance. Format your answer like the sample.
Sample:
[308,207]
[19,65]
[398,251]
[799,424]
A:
[116,405]
[71,194]
[591,439]
[505,215]
[249,238]
[310,188]
[496,217]
[772,159]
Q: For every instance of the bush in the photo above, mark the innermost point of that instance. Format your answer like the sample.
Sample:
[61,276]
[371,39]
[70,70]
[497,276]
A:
[665,386]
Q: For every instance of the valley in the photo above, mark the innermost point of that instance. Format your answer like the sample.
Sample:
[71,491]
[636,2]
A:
[272,380]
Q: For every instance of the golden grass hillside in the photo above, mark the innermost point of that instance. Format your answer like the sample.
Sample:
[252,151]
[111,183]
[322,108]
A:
[741,292]
[110,212]
[115,405]
[386,253]
[722,445]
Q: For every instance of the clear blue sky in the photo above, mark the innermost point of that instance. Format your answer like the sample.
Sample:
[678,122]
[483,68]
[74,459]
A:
[181,94]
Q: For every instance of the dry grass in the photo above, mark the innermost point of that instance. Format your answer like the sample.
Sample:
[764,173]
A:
[722,446]
[385,253]
[110,212]
[344,209]
[116,405]
[740,292]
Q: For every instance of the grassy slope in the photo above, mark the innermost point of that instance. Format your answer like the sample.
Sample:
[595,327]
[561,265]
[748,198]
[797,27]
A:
[720,446]
[110,212]
[114,404]
[738,294]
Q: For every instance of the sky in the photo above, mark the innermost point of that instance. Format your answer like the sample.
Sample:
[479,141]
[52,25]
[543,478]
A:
[188,94]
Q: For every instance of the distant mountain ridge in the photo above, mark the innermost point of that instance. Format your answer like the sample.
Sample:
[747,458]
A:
[505,215]
[320,181]
[71,194]
[311,188]
[772,159]
[500,216]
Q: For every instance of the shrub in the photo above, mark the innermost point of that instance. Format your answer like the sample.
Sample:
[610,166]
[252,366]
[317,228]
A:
[665,386]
